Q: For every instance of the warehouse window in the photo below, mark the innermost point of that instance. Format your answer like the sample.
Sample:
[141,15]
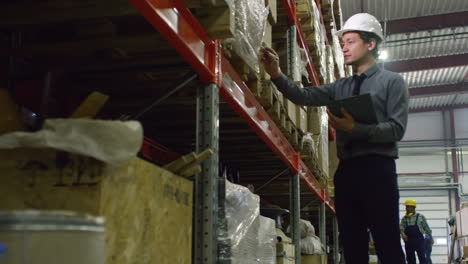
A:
[441,241]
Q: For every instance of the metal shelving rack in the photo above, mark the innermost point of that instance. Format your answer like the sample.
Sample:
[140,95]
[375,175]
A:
[173,20]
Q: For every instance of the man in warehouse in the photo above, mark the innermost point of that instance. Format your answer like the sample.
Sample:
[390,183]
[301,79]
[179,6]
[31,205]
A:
[366,189]
[413,227]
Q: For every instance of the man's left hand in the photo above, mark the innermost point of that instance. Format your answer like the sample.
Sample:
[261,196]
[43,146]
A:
[432,241]
[345,123]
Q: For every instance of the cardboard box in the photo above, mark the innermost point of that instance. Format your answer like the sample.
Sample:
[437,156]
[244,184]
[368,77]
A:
[148,210]
[285,261]
[333,160]
[290,111]
[285,250]
[317,120]
[314,259]
[301,118]
[321,141]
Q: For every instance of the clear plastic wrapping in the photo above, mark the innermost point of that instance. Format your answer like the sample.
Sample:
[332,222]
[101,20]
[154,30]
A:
[330,65]
[310,243]
[319,40]
[112,142]
[251,18]
[338,54]
[303,63]
[249,237]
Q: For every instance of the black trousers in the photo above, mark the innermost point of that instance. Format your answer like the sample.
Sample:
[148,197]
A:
[419,249]
[366,191]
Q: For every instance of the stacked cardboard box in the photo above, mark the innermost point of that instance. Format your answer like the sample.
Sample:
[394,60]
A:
[285,253]
[318,126]
[148,210]
[314,259]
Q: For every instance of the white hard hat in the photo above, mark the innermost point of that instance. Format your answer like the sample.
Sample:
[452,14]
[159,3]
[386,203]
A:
[362,22]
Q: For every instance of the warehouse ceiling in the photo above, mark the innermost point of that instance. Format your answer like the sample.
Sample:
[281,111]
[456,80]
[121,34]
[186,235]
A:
[427,43]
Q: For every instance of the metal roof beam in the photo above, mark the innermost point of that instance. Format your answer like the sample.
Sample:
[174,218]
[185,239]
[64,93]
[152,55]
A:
[439,89]
[427,63]
[427,23]
[433,109]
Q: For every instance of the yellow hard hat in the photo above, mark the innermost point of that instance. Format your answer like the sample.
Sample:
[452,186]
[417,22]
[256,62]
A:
[410,202]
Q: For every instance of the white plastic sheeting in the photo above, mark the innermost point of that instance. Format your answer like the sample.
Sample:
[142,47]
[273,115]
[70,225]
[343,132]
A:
[251,238]
[250,17]
[112,142]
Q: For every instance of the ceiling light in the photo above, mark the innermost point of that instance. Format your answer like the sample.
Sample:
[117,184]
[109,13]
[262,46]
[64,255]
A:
[383,55]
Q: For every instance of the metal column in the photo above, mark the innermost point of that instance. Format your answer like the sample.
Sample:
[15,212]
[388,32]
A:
[336,241]
[323,225]
[206,183]
[295,208]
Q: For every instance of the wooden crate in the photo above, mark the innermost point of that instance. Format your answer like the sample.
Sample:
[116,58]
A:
[148,210]
[219,22]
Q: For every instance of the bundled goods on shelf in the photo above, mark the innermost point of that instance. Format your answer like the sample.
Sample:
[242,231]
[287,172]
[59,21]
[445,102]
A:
[298,67]
[337,14]
[327,15]
[318,126]
[216,17]
[248,237]
[285,253]
[338,56]
[251,19]
[315,37]
[148,210]
[311,247]
[301,119]
[321,140]
[330,78]
[333,162]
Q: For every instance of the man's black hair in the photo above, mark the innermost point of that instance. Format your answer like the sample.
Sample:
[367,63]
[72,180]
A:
[367,37]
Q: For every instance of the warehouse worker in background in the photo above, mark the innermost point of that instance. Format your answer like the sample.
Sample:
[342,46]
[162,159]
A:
[413,226]
[428,242]
[366,188]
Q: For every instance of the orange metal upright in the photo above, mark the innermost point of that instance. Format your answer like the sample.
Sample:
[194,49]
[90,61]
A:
[173,20]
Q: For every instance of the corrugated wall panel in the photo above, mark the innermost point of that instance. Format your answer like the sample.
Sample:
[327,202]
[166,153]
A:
[433,77]
[424,126]
[399,9]
[461,125]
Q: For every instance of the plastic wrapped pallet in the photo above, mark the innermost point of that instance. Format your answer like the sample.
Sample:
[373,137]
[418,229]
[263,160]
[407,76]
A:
[250,238]
[310,243]
[317,120]
[322,153]
[250,21]
[319,41]
[338,55]
[330,65]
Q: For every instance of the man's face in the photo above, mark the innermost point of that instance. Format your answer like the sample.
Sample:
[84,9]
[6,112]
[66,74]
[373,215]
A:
[354,48]
[410,209]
